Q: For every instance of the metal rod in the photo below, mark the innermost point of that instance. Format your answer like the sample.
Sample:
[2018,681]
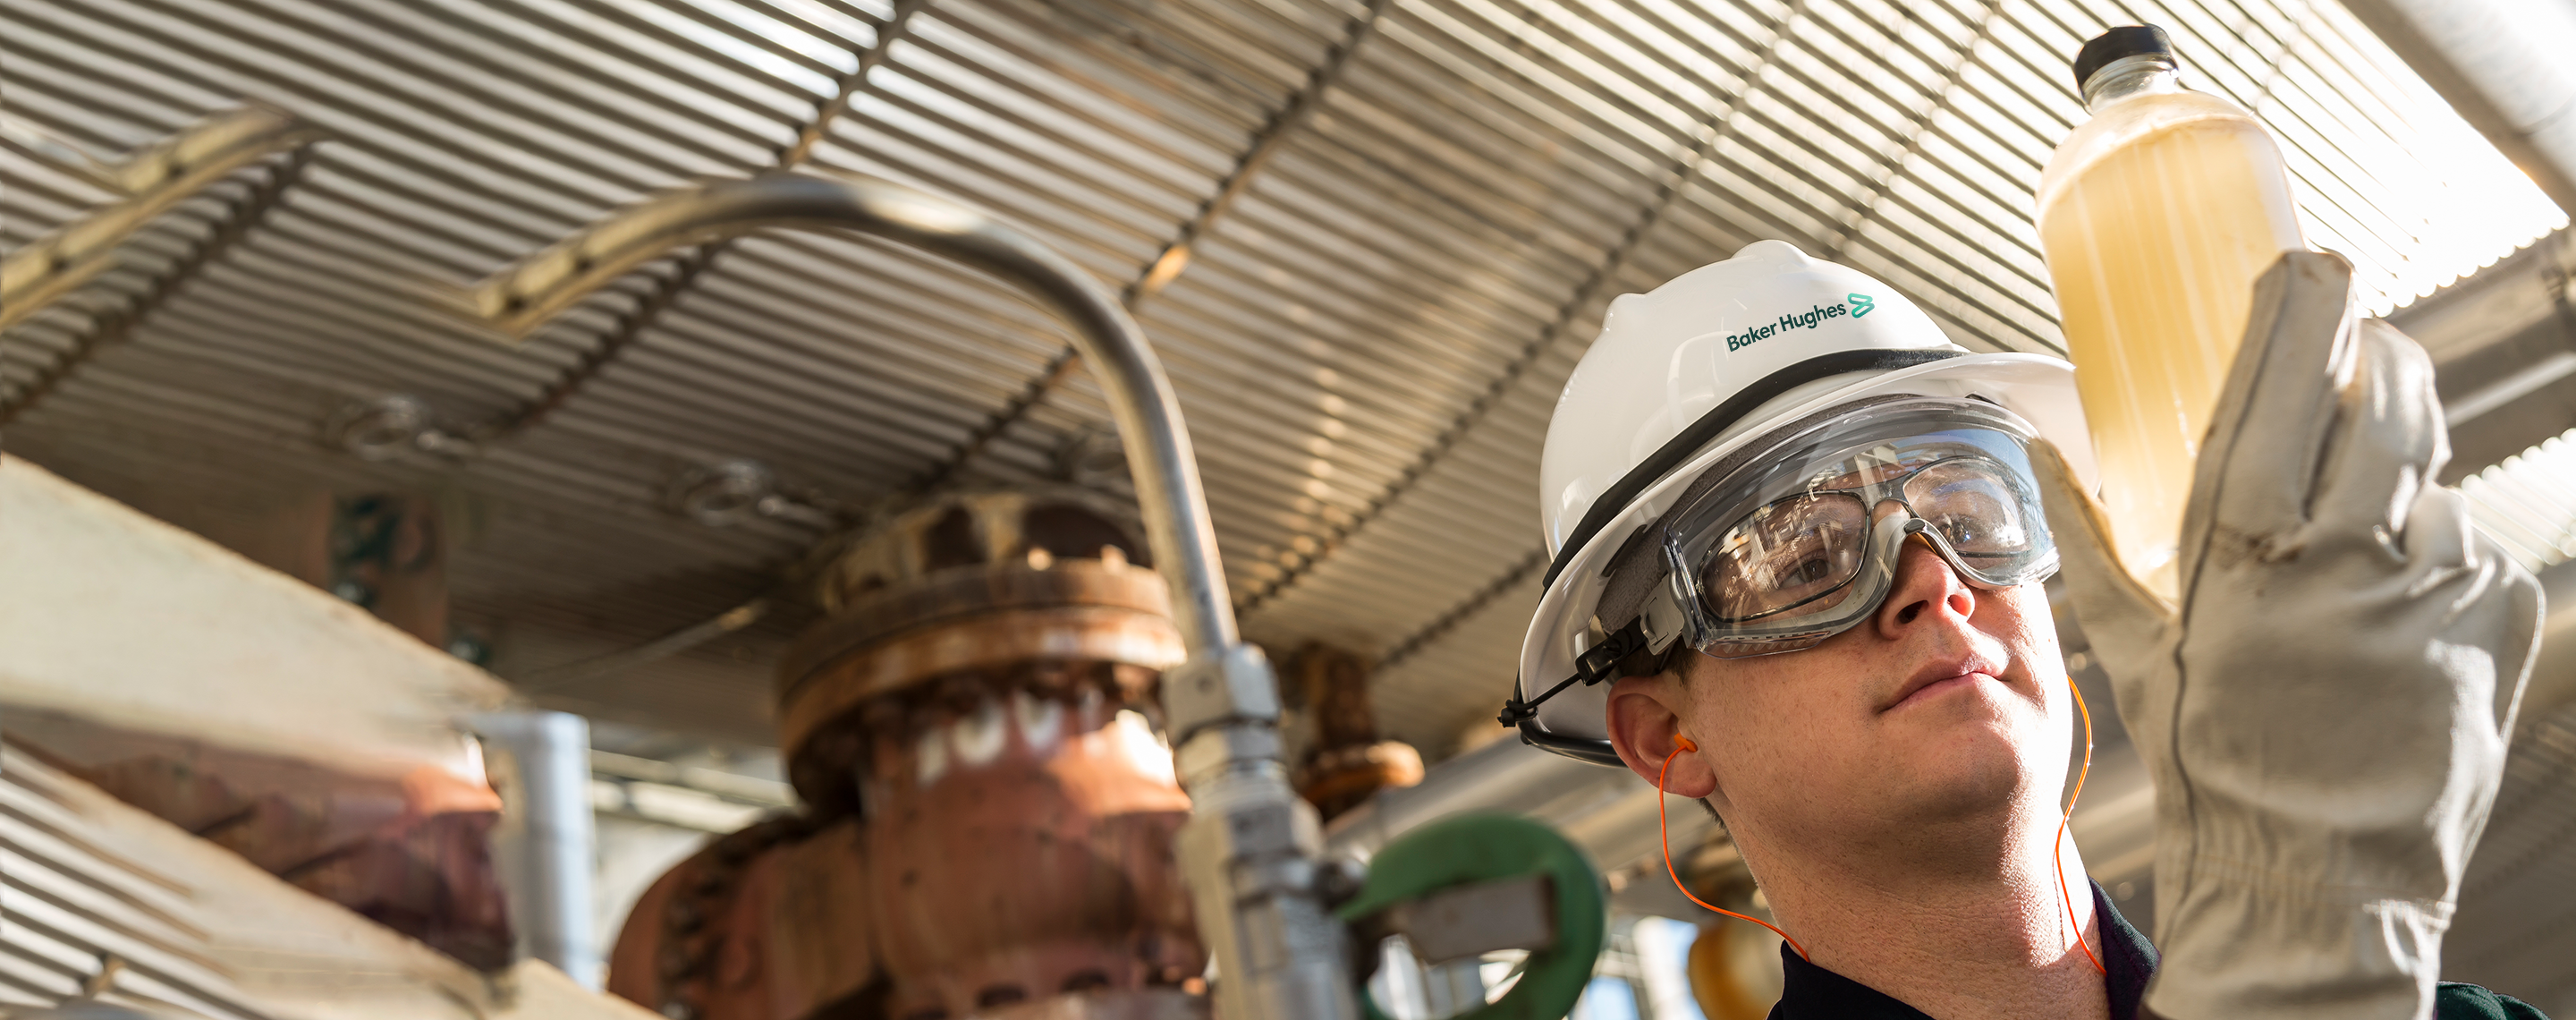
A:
[550,678]
[157,177]
[240,217]
[612,346]
[527,293]
[548,850]
[1251,848]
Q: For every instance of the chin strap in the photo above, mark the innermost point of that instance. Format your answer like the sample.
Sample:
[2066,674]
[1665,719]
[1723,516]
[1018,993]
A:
[1591,667]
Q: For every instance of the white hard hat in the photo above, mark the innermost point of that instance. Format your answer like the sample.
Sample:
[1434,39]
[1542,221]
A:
[1684,374]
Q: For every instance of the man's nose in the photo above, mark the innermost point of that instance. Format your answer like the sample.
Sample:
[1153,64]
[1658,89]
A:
[1924,586]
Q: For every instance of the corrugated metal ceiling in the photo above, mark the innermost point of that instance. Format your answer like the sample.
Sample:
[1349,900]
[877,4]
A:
[1400,219]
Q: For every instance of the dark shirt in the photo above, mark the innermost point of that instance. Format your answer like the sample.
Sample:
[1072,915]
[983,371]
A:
[1811,992]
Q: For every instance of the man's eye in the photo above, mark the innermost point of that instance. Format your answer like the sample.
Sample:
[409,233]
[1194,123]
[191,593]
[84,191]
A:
[1811,568]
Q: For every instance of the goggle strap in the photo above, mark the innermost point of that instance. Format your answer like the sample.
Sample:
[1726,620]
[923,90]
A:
[1591,667]
[1661,619]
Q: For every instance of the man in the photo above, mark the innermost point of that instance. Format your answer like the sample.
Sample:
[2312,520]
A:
[1810,572]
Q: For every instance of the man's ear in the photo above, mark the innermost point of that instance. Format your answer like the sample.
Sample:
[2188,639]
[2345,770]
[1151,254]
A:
[1646,715]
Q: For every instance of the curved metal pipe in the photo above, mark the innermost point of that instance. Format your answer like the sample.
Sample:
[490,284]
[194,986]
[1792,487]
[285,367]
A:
[525,294]
[1250,851]
[155,178]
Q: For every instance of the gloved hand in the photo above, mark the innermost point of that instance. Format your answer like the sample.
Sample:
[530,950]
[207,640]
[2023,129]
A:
[2324,715]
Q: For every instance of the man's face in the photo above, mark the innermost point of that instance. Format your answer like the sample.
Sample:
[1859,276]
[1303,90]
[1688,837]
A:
[1943,716]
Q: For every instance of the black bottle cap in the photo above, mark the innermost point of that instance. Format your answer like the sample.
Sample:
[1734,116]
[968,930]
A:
[2125,41]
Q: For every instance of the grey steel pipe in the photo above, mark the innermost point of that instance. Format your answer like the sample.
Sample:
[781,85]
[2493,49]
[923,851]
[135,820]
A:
[154,178]
[527,293]
[548,842]
[2505,65]
[1252,848]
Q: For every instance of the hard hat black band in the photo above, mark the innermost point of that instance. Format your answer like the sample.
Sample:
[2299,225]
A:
[1670,456]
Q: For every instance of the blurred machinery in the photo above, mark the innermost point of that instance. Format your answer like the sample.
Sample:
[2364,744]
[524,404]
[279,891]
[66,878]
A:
[412,852]
[230,794]
[989,812]
[1346,762]
[115,914]
[993,831]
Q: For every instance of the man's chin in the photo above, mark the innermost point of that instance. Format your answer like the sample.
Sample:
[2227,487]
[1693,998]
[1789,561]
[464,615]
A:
[1938,824]
[1966,771]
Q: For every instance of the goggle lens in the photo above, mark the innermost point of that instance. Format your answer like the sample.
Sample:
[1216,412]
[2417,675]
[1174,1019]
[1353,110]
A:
[1974,504]
[1789,558]
[1789,554]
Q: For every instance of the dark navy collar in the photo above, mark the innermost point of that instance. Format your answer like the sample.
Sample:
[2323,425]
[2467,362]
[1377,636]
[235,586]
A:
[1814,993]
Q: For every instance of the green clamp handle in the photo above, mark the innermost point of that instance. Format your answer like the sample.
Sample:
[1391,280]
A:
[1473,849]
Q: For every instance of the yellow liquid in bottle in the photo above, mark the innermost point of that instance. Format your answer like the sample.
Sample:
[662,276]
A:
[2154,241]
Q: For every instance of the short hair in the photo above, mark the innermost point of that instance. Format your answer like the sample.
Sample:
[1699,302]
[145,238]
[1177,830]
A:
[1704,805]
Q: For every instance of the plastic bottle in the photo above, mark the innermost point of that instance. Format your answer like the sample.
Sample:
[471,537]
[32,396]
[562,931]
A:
[2156,217]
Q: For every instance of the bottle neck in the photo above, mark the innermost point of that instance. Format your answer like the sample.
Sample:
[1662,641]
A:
[2140,75]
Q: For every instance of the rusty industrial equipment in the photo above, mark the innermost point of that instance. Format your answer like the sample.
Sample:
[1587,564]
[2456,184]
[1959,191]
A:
[229,794]
[1347,763]
[1250,848]
[409,852]
[988,809]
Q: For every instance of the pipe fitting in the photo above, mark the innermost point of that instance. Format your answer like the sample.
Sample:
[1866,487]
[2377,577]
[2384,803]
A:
[1219,686]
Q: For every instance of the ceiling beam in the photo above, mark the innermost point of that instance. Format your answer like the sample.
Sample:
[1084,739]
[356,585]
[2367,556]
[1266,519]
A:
[2503,66]
[1174,258]
[1603,275]
[692,267]
[2501,341]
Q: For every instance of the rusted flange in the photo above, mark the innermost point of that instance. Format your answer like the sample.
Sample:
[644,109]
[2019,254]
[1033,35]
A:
[967,592]
[971,619]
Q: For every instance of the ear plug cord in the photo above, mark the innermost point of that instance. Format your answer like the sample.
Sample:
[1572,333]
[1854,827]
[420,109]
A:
[2058,861]
[1681,744]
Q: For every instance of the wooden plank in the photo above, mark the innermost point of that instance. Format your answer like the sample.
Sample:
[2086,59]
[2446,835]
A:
[120,619]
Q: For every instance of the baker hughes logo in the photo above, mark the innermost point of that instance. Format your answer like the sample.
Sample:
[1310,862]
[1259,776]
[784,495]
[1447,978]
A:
[1858,305]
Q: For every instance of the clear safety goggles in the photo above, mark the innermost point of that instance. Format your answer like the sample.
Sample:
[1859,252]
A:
[1800,543]
[1795,538]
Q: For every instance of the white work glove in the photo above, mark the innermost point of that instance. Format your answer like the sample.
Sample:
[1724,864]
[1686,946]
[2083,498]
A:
[2324,715]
